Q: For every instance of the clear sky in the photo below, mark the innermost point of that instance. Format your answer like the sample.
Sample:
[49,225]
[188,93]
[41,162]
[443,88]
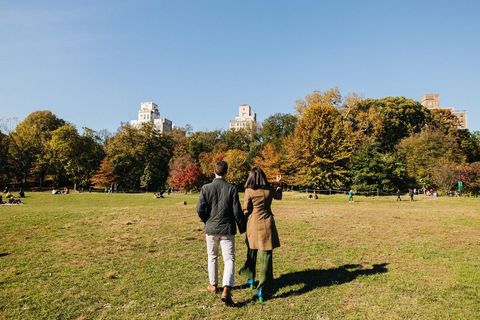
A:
[93,62]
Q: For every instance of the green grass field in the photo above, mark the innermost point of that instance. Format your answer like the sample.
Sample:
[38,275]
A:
[131,256]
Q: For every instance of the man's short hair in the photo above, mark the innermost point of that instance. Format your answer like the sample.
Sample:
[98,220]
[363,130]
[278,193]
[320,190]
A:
[221,168]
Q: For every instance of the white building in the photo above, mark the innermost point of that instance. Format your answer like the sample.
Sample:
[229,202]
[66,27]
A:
[149,113]
[432,101]
[246,119]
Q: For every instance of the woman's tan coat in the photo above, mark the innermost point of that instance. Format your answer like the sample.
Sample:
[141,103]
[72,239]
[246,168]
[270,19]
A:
[261,230]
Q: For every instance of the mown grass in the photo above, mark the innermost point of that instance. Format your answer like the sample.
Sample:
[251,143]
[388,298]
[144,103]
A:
[131,256]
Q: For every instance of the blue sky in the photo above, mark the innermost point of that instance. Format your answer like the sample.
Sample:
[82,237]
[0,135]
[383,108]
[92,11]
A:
[93,62]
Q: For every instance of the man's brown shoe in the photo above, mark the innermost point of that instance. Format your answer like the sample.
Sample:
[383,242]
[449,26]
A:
[212,288]
[227,295]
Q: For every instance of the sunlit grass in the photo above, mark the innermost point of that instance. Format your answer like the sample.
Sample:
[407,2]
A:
[131,256]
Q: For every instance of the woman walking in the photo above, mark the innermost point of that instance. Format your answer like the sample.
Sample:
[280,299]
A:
[262,236]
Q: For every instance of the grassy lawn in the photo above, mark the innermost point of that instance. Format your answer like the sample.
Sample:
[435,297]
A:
[130,256]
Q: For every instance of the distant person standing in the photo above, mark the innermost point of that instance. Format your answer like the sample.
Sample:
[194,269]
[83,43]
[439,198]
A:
[350,196]
[219,208]
[398,195]
[411,193]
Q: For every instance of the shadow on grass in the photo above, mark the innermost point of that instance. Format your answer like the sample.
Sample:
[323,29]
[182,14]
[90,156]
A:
[312,279]
[4,254]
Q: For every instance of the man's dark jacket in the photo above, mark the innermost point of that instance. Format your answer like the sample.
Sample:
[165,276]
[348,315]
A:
[219,208]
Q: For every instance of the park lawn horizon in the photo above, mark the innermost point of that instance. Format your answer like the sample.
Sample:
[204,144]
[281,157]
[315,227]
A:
[131,256]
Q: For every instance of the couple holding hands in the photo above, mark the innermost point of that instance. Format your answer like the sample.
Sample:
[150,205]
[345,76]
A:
[219,208]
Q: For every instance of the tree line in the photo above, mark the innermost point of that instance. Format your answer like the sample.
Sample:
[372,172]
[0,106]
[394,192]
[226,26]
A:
[329,142]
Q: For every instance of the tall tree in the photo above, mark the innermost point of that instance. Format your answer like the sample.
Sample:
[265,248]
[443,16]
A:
[237,139]
[278,126]
[77,155]
[28,145]
[131,150]
[372,170]
[325,144]
[202,141]
[4,168]
[422,152]
[386,121]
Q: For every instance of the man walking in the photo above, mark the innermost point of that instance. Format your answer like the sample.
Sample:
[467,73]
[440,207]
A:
[219,208]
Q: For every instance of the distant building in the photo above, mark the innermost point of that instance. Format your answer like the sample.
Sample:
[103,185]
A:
[149,113]
[432,101]
[246,119]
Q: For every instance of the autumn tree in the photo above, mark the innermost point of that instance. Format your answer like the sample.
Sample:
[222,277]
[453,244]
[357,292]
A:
[469,174]
[207,162]
[105,175]
[238,167]
[184,173]
[270,161]
[445,174]
[323,143]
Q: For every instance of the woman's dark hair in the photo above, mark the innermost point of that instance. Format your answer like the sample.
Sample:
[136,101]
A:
[257,179]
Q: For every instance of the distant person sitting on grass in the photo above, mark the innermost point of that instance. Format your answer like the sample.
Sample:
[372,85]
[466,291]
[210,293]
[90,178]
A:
[1,200]
[9,195]
[21,193]
[12,200]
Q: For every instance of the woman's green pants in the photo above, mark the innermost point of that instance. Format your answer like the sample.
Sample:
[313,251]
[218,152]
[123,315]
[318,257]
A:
[265,272]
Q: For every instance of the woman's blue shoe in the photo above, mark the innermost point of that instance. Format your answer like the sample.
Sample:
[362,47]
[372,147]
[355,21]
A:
[250,283]
[260,295]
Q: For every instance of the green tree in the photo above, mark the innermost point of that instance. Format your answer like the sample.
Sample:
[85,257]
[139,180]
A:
[278,126]
[202,141]
[386,121]
[131,150]
[423,151]
[468,144]
[237,139]
[4,167]
[78,156]
[372,170]
[28,145]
